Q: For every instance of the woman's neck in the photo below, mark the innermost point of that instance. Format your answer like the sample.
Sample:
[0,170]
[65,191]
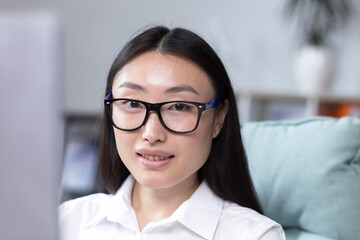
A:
[156,204]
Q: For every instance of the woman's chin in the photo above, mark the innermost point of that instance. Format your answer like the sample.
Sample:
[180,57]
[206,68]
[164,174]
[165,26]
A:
[154,182]
[165,181]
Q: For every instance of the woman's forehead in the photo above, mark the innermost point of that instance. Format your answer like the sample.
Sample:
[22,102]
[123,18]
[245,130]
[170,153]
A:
[156,70]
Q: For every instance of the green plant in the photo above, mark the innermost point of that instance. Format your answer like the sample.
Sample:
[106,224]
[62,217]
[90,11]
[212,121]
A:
[317,18]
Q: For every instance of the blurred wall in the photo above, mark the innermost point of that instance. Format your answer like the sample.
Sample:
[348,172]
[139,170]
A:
[252,37]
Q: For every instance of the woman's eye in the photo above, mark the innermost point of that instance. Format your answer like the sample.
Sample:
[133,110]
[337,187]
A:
[179,107]
[131,104]
[134,104]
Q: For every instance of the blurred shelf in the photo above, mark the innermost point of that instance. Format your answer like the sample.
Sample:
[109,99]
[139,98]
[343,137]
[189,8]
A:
[263,105]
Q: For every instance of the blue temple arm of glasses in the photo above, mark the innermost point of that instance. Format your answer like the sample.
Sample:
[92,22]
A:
[109,96]
[211,104]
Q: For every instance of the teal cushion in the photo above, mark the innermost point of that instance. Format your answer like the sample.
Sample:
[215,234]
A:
[307,173]
[296,234]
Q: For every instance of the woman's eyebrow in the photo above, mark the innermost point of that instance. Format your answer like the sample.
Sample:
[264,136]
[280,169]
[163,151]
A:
[182,88]
[133,86]
[175,89]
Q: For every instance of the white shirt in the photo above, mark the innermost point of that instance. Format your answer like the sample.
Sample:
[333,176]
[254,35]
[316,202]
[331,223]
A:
[203,216]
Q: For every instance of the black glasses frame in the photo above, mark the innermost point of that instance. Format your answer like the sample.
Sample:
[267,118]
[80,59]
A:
[156,108]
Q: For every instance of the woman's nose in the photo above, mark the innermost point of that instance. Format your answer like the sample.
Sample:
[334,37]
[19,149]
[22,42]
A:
[153,130]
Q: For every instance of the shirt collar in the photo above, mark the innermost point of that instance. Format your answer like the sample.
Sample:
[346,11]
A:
[122,211]
[200,213]
[118,208]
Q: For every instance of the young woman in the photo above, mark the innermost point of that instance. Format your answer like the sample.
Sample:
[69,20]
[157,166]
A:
[172,162]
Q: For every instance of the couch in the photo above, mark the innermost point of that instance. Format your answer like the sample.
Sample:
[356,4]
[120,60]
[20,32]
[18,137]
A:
[307,175]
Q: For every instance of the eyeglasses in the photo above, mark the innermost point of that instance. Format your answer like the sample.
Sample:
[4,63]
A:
[176,116]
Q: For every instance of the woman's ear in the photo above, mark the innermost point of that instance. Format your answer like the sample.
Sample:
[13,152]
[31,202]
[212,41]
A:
[220,118]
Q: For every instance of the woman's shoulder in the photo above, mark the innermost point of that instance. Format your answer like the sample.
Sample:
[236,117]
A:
[91,205]
[76,215]
[238,221]
[237,213]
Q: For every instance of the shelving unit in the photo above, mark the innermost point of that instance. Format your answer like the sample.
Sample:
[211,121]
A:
[261,106]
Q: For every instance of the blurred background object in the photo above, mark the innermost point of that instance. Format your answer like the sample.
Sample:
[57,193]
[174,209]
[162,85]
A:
[31,126]
[314,65]
[316,19]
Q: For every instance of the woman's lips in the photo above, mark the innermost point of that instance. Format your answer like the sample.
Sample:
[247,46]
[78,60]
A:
[154,159]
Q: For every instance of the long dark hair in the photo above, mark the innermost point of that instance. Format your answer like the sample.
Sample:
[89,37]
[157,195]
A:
[226,169]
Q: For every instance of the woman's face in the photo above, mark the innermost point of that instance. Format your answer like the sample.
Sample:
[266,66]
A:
[156,157]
